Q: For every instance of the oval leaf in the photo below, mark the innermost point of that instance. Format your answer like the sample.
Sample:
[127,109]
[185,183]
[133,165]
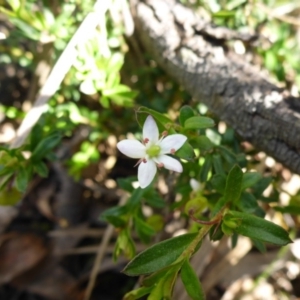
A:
[159,255]
[186,112]
[191,282]
[198,122]
[249,179]
[45,146]
[260,229]
[233,185]
[186,152]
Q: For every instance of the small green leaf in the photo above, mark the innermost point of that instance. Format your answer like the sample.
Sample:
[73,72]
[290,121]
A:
[164,288]
[186,112]
[124,244]
[261,185]
[259,245]
[218,182]
[23,176]
[143,230]
[248,203]
[198,122]
[138,293]
[191,282]
[217,163]
[203,143]
[136,198]
[249,179]
[116,221]
[233,185]
[126,184]
[156,276]
[45,146]
[154,199]
[260,229]
[158,256]
[41,168]
[290,209]
[228,155]
[186,152]
[206,167]
[158,116]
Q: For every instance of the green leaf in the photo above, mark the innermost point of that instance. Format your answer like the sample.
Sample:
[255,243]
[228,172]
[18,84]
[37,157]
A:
[228,155]
[45,146]
[198,122]
[249,179]
[116,221]
[115,211]
[290,209]
[155,200]
[203,143]
[261,185]
[164,288]
[259,245]
[136,198]
[41,168]
[260,229]
[138,293]
[158,116]
[186,112]
[218,182]
[143,230]
[233,185]
[159,255]
[217,163]
[191,282]
[248,203]
[124,244]
[186,152]
[23,176]
[156,276]
[206,167]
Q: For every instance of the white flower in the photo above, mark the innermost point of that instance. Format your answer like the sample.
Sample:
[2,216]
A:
[153,151]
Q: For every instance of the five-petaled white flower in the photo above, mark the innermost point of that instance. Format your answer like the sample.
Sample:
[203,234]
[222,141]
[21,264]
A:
[152,151]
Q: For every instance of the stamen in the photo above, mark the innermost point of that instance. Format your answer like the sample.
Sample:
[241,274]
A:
[164,133]
[145,141]
[144,160]
[172,151]
[139,161]
[160,165]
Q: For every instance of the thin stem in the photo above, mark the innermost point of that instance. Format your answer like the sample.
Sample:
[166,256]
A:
[201,234]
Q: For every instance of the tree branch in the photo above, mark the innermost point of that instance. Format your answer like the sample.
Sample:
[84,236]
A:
[193,52]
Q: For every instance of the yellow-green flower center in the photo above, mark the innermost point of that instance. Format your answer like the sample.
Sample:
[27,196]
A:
[153,151]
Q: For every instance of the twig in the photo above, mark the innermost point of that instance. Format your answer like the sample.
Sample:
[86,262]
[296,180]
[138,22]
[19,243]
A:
[100,254]
[59,71]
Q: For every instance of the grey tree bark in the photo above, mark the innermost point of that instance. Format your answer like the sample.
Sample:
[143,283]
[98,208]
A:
[193,52]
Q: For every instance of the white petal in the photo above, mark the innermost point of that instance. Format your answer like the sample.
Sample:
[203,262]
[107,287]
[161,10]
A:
[132,148]
[173,141]
[150,131]
[195,185]
[146,173]
[169,163]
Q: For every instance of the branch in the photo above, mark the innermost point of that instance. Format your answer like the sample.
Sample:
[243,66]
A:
[193,53]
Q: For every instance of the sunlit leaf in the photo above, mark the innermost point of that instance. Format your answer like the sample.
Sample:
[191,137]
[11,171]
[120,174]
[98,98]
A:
[191,282]
[198,122]
[158,256]
[260,229]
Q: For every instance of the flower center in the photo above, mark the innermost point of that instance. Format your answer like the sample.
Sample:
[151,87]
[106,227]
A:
[153,151]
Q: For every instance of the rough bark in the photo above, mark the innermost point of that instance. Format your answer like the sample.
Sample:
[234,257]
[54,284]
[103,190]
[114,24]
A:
[193,52]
